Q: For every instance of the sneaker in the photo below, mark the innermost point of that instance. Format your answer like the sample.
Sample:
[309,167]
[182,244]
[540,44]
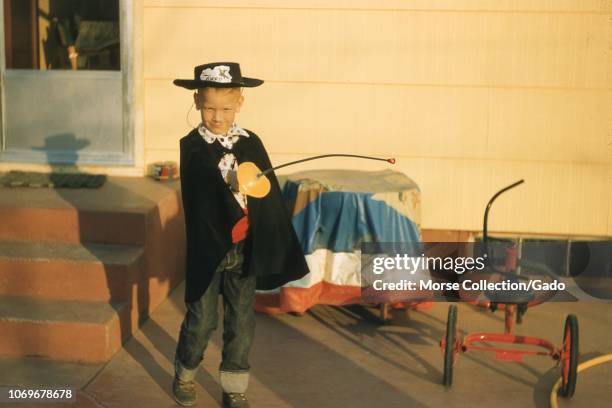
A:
[235,400]
[184,392]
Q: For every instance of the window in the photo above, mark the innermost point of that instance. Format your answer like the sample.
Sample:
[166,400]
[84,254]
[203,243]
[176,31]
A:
[62,34]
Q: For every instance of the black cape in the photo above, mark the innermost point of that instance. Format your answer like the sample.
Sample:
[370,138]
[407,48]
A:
[271,252]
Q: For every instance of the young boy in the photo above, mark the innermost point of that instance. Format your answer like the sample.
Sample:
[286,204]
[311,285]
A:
[235,243]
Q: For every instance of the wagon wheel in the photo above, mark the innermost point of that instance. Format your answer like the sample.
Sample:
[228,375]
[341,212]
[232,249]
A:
[449,346]
[569,357]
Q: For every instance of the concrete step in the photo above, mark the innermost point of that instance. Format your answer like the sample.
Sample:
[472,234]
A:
[116,213]
[81,269]
[36,371]
[63,271]
[72,225]
[33,372]
[87,332]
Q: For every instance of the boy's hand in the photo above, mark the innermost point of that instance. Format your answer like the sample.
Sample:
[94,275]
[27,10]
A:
[232,180]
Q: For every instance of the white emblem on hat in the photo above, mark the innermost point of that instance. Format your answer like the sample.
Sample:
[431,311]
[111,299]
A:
[220,73]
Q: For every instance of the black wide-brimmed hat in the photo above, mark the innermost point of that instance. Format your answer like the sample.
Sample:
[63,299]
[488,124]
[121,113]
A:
[218,75]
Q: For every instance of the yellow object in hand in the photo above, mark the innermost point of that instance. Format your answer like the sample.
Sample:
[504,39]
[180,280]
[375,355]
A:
[251,182]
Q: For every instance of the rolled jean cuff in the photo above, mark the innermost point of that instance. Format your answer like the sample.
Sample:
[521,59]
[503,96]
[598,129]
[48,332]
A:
[234,381]
[183,373]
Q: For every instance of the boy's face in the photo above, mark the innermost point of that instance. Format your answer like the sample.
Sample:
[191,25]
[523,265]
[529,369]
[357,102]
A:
[218,107]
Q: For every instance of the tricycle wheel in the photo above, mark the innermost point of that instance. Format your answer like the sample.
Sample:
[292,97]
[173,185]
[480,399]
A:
[569,357]
[449,346]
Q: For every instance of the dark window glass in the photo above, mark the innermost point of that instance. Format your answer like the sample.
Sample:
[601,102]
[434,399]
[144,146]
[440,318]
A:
[62,34]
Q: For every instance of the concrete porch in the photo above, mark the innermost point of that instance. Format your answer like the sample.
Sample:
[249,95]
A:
[341,356]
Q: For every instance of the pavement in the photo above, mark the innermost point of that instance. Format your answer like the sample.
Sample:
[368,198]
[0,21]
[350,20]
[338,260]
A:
[340,357]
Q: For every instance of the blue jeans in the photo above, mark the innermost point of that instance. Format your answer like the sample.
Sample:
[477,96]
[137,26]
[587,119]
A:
[201,319]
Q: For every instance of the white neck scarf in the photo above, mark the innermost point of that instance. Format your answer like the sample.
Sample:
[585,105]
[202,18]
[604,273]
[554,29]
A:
[227,140]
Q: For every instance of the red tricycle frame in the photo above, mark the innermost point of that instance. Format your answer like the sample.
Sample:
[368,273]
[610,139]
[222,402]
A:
[566,355]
